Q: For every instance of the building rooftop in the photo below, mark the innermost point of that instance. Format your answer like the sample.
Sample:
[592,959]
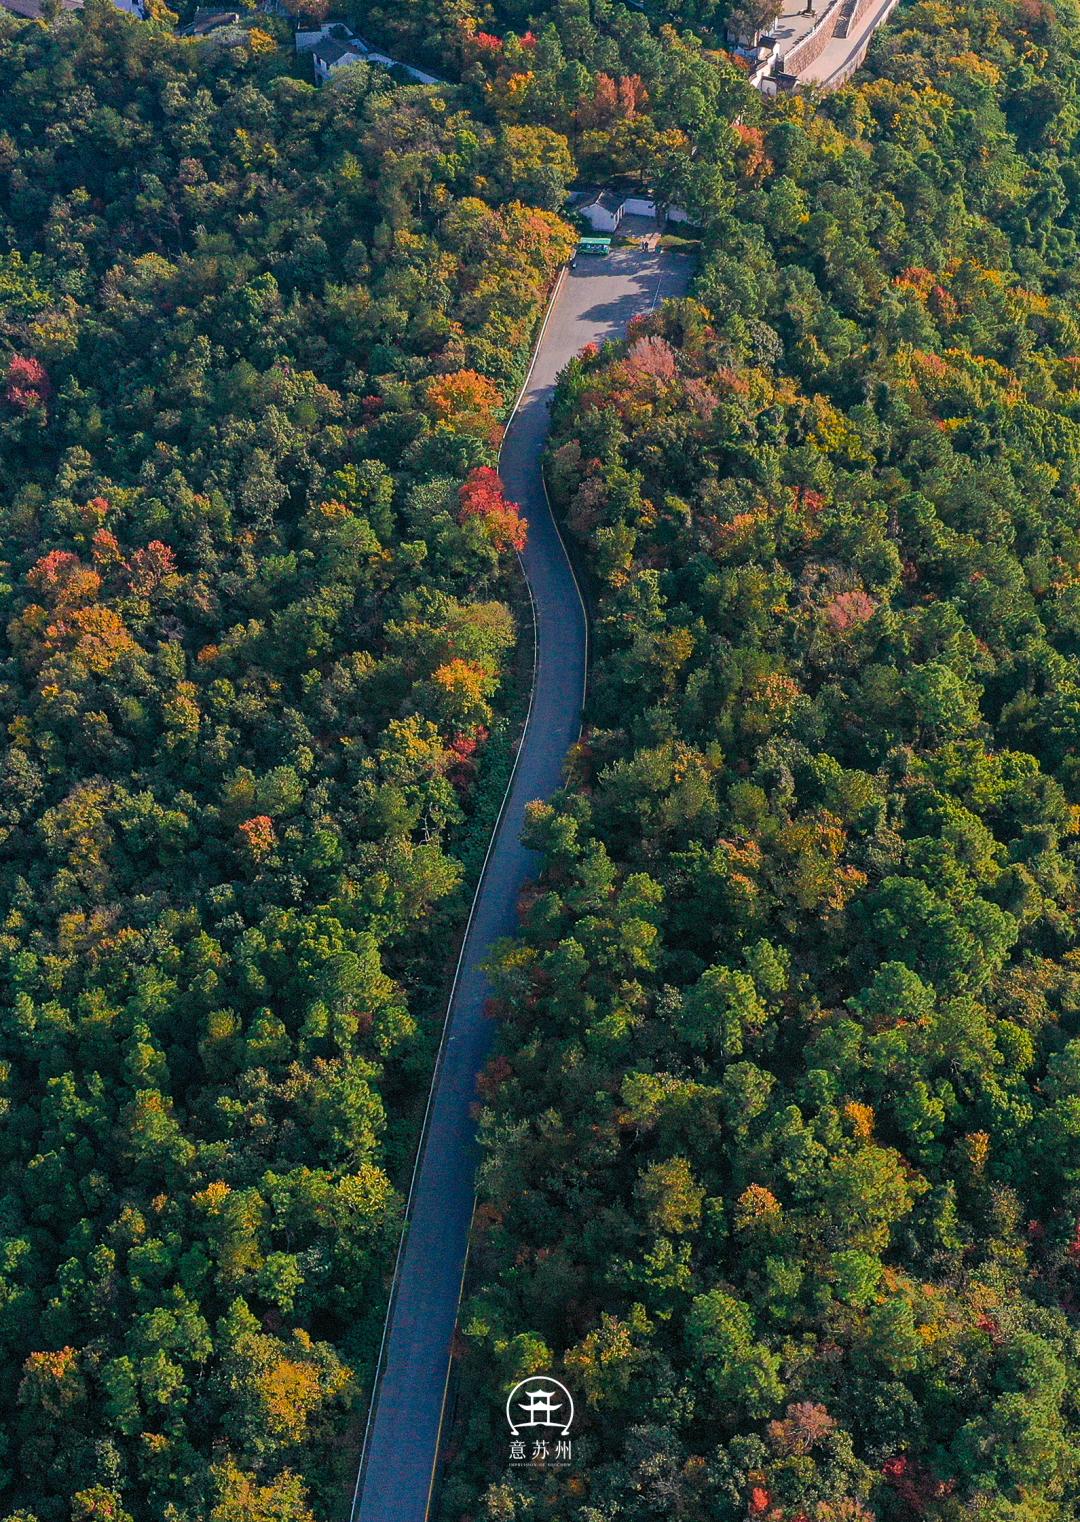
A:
[32,10]
[610,200]
[334,49]
[207,19]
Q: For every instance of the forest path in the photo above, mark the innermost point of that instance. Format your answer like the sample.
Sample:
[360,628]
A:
[595,302]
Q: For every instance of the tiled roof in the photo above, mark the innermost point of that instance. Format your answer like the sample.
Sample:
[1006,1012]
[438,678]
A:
[332,51]
[207,19]
[610,200]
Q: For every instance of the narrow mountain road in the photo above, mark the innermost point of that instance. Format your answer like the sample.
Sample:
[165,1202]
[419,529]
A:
[595,302]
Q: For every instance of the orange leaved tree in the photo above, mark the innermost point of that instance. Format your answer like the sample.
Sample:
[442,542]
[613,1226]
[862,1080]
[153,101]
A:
[482,495]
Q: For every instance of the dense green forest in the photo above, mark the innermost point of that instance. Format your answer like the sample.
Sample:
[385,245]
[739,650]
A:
[783,1134]
[784,1129]
[258,631]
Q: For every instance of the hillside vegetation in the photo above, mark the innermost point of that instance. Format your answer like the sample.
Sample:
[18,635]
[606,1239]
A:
[255,660]
[782,1136]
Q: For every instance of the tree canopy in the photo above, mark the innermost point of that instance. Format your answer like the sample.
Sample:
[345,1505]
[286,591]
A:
[780,1169]
[257,687]
[780,1136]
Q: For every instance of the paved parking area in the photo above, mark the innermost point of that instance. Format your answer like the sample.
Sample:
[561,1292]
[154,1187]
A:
[600,296]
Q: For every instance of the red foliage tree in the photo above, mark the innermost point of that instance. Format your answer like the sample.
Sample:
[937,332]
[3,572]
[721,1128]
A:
[105,549]
[27,381]
[849,608]
[62,578]
[601,109]
[463,750]
[914,1483]
[652,356]
[148,568]
[258,835]
[482,495]
[632,96]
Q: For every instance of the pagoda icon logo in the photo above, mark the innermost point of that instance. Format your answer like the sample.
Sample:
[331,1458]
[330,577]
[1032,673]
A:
[539,1401]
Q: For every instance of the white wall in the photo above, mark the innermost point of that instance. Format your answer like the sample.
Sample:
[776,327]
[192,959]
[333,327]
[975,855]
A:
[310,38]
[342,63]
[600,219]
[395,63]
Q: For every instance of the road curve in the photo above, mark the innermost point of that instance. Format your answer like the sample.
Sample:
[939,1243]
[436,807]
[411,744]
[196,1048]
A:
[594,303]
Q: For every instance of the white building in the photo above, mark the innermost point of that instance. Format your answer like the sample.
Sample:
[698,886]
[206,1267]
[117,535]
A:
[333,53]
[604,212]
[639,206]
[335,46]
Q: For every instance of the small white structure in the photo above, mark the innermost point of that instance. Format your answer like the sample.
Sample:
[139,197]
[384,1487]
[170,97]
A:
[333,54]
[604,212]
[333,46]
[639,206]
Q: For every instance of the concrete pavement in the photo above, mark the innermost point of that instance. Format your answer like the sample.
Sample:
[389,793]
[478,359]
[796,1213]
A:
[597,299]
[841,56]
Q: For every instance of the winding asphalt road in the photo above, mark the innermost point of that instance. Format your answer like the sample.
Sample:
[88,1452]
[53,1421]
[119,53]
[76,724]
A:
[397,1467]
